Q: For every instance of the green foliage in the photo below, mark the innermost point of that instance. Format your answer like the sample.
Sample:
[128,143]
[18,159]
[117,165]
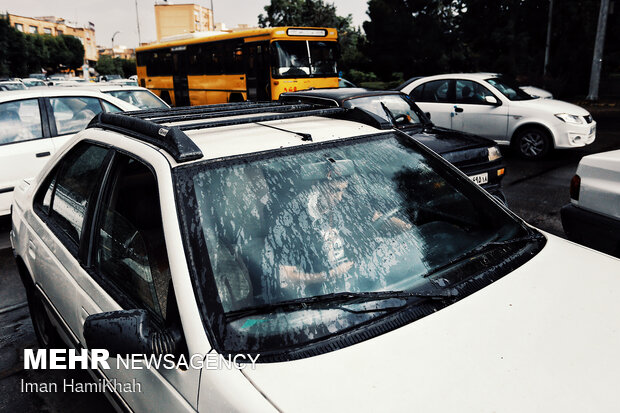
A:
[21,53]
[107,65]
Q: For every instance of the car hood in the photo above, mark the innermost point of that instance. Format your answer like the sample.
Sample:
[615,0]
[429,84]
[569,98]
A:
[543,338]
[443,140]
[549,106]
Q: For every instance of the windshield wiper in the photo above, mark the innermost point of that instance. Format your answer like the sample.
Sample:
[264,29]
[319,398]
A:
[340,298]
[479,250]
[389,114]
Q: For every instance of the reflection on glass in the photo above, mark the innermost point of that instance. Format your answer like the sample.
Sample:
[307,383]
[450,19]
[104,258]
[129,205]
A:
[364,217]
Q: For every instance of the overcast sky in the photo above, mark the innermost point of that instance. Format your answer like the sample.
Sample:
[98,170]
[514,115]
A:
[110,16]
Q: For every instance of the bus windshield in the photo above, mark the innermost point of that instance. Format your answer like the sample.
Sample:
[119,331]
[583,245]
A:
[304,59]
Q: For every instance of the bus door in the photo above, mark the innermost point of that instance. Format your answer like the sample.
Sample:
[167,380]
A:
[256,56]
[179,76]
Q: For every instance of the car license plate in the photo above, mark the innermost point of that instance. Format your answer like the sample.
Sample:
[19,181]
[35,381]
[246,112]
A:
[480,178]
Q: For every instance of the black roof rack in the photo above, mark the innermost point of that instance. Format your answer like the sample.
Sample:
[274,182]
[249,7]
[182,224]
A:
[146,125]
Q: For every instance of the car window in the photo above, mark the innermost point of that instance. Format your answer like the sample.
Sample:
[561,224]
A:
[20,121]
[140,98]
[72,114]
[65,195]
[468,91]
[435,91]
[131,251]
[110,108]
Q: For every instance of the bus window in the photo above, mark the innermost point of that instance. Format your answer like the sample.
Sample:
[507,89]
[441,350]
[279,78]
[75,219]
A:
[299,59]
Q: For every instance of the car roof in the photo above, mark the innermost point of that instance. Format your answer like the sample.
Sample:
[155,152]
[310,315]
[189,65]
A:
[10,95]
[338,95]
[109,87]
[208,136]
[469,76]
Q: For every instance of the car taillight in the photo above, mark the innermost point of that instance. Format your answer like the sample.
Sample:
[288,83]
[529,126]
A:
[575,184]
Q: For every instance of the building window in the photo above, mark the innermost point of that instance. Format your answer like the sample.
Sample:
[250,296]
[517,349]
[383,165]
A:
[47,30]
[59,32]
[19,27]
[33,29]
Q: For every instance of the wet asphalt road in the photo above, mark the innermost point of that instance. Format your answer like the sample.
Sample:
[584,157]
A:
[535,191]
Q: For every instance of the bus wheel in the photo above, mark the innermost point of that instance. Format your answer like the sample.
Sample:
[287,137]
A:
[165,96]
[235,97]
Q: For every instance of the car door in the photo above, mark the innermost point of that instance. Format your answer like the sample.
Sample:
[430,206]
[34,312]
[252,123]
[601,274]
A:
[62,203]
[127,267]
[25,145]
[435,97]
[474,114]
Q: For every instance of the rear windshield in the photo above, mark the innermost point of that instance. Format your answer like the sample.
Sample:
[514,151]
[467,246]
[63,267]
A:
[279,241]
[140,98]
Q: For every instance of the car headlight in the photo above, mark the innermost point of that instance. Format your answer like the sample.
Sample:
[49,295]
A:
[494,153]
[577,120]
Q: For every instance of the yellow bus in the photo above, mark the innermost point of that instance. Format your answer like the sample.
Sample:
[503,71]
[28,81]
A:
[253,65]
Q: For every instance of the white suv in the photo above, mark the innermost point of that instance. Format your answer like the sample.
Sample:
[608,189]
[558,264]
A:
[360,269]
[491,106]
[35,123]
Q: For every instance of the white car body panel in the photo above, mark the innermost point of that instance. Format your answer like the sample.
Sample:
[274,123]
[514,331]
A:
[539,112]
[600,183]
[539,339]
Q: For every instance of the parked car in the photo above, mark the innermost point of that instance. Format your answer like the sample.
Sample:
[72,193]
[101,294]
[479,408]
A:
[33,82]
[593,216]
[536,92]
[479,158]
[35,123]
[126,82]
[363,271]
[492,107]
[11,85]
[136,95]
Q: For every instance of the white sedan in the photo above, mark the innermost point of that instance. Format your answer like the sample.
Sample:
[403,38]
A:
[35,123]
[490,106]
[593,216]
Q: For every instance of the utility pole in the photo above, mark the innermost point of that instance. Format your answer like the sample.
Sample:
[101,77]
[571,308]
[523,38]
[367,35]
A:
[548,44]
[113,36]
[138,23]
[212,17]
[597,60]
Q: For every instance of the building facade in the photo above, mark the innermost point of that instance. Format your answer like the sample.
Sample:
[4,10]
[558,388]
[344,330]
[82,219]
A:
[55,26]
[175,19]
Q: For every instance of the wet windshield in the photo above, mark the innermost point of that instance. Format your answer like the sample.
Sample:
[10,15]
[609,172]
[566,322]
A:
[393,108]
[295,247]
[509,89]
[304,59]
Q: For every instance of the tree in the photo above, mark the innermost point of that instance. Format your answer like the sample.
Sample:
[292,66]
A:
[106,65]
[415,37]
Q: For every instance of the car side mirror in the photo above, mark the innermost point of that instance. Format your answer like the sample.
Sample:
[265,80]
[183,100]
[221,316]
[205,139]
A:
[428,115]
[491,100]
[129,332]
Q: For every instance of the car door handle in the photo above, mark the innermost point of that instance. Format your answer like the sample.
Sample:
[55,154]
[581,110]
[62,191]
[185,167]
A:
[32,250]
[43,154]
[457,109]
